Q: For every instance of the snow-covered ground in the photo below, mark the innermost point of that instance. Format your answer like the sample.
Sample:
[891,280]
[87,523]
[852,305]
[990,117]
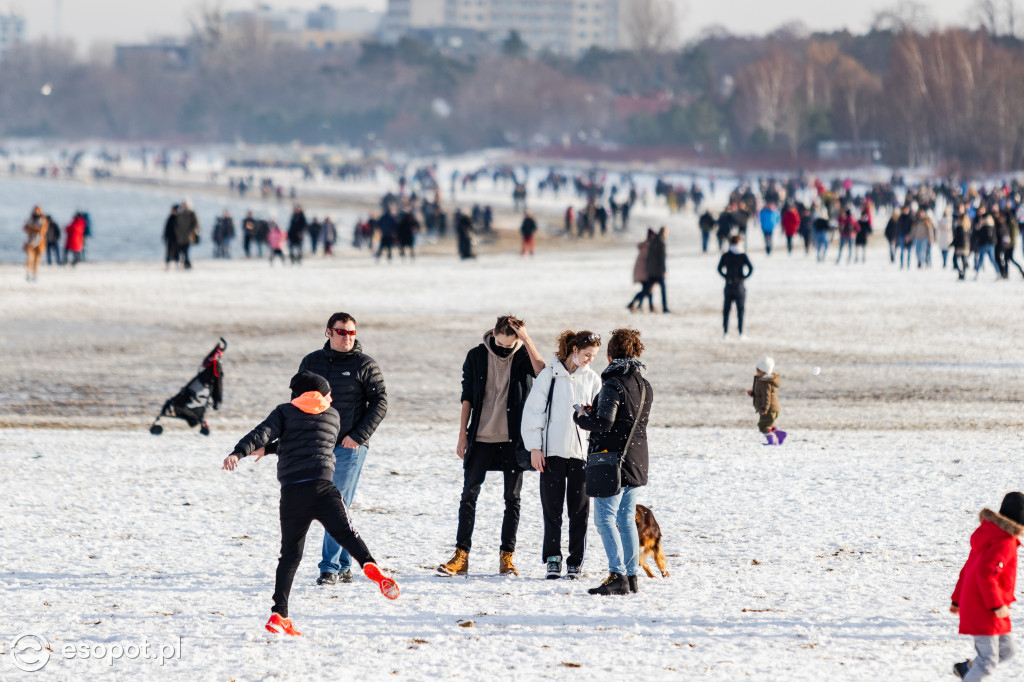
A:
[831,558]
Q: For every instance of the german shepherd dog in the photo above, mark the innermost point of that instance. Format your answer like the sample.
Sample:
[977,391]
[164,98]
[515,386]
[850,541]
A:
[650,541]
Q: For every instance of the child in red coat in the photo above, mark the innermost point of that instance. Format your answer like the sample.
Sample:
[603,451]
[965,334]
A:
[984,591]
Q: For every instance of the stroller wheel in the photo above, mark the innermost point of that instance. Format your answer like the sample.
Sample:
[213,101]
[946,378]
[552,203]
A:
[156,429]
[205,430]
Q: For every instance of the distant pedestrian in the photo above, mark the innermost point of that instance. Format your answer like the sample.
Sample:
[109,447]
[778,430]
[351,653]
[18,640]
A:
[765,393]
[75,242]
[170,238]
[656,266]
[275,240]
[640,276]
[528,230]
[36,229]
[186,233]
[53,254]
[296,233]
[735,267]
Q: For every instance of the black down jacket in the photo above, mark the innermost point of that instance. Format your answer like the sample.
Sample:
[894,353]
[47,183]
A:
[612,417]
[306,447]
[357,389]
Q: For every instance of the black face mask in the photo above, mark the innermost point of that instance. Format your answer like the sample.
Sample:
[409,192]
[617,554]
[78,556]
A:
[498,350]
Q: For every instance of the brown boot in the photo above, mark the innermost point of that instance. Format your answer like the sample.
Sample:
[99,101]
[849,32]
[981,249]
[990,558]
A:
[457,565]
[505,565]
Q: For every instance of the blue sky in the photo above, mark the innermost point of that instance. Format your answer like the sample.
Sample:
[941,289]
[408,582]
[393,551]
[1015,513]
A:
[90,21]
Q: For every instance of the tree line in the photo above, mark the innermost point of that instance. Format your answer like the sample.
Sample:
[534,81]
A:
[952,96]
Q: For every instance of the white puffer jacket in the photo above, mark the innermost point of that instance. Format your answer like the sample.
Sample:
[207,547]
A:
[558,436]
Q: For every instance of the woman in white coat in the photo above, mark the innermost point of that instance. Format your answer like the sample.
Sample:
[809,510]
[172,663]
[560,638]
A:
[558,447]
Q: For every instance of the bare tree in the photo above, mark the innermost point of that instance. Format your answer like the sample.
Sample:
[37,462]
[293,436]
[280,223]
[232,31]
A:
[905,16]
[998,17]
[652,25]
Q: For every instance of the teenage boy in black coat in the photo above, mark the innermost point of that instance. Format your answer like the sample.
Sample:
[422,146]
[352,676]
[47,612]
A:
[496,379]
[308,429]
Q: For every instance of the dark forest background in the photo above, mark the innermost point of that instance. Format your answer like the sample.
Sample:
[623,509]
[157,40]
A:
[952,96]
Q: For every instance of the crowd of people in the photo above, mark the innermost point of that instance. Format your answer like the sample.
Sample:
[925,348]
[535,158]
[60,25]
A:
[43,238]
[973,225]
[182,231]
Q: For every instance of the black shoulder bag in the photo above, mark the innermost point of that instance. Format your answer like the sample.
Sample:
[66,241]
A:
[524,458]
[604,469]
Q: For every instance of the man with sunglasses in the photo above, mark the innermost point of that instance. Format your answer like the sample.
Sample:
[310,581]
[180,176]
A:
[359,396]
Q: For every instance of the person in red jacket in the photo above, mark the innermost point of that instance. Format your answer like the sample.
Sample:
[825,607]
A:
[790,225]
[75,240]
[984,591]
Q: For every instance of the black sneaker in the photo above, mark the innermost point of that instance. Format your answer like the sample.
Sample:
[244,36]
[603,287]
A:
[327,579]
[961,669]
[554,566]
[634,584]
[613,584]
[345,576]
[573,572]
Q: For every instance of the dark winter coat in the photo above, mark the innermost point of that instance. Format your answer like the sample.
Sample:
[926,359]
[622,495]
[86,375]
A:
[170,229]
[305,450]
[357,389]
[656,258]
[297,227]
[988,579]
[186,227]
[223,230]
[528,228]
[731,266]
[612,417]
[474,387]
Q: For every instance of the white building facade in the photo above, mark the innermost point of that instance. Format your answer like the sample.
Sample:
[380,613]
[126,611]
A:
[561,26]
[12,32]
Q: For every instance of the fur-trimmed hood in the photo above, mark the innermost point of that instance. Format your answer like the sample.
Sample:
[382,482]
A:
[1007,525]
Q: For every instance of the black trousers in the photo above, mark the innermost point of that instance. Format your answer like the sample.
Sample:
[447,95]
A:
[737,295]
[301,504]
[564,480]
[660,281]
[475,472]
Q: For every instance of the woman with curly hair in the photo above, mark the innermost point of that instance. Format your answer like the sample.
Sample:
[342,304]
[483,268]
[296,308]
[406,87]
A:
[558,447]
[622,410]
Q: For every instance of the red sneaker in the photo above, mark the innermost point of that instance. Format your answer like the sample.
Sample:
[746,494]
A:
[388,587]
[282,626]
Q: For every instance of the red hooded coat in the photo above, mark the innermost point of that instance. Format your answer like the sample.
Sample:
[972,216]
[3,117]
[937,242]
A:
[790,221]
[76,235]
[988,578]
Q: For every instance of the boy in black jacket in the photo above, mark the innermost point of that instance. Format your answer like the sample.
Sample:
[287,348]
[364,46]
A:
[308,429]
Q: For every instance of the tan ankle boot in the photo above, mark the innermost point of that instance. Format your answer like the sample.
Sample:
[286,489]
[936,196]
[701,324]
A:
[457,565]
[505,565]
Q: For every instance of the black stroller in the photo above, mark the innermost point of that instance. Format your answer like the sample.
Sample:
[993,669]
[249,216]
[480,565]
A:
[192,400]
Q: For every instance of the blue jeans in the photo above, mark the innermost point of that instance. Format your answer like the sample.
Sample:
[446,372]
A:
[981,253]
[821,243]
[347,467]
[615,519]
[923,249]
[847,243]
[904,251]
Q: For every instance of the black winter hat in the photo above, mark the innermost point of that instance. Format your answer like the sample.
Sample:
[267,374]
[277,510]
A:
[304,382]
[1013,507]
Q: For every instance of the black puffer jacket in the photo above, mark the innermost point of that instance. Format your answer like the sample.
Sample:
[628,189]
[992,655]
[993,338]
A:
[357,389]
[306,447]
[612,417]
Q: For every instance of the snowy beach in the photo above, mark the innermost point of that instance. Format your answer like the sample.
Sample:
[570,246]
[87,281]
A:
[832,557]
